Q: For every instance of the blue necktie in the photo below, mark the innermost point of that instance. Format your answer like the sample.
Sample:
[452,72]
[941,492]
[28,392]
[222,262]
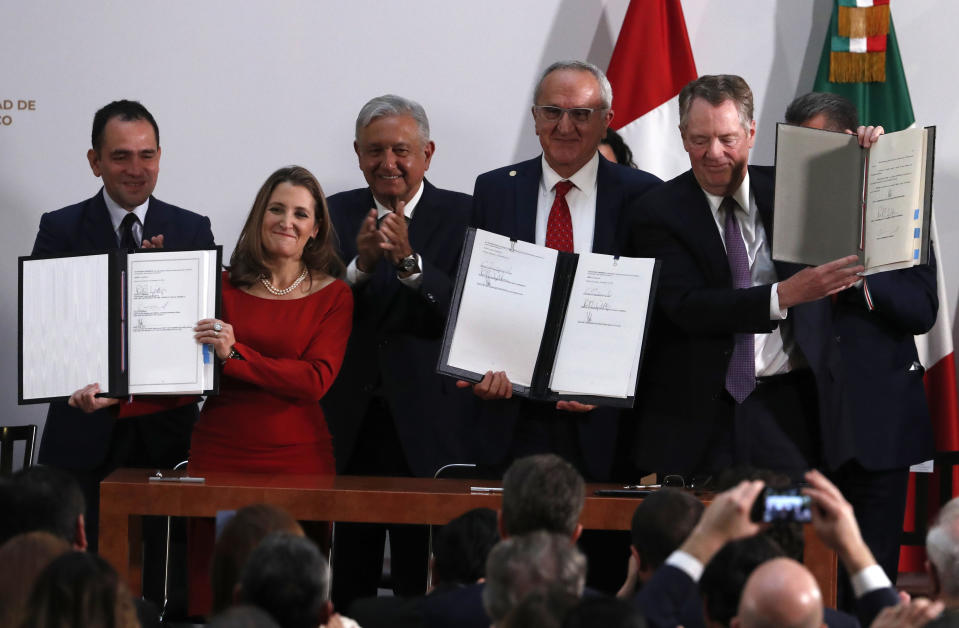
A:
[741,371]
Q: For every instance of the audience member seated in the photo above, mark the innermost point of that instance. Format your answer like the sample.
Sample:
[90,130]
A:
[520,565]
[942,550]
[243,616]
[725,576]
[43,499]
[241,534]
[460,549]
[78,590]
[603,612]
[728,519]
[540,492]
[23,558]
[288,577]
[660,524]
[780,592]
[542,609]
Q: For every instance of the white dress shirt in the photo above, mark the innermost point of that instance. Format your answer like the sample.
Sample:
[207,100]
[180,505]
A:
[864,581]
[117,214]
[581,200]
[356,276]
[776,351]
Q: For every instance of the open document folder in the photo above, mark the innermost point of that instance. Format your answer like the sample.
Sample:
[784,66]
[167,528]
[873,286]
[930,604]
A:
[563,326]
[124,320]
[835,198]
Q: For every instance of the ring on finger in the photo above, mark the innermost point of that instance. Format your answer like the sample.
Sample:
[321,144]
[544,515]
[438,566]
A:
[217,326]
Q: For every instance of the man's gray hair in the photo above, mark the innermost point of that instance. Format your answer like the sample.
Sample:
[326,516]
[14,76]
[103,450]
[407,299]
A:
[521,565]
[542,492]
[393,105]
[717,89]
[942,547]
[605,89]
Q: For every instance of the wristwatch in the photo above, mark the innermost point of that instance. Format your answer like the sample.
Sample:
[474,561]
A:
[407,264]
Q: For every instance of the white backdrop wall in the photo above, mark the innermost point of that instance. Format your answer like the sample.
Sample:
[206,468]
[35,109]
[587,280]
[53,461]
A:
[241,88]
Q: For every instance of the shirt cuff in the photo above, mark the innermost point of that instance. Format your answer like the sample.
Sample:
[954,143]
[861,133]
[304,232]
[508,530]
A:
[415,280]
[869,579]
[775,312]
[354,275]
[686,563]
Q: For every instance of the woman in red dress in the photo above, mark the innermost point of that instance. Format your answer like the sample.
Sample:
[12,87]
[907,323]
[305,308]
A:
[286,322]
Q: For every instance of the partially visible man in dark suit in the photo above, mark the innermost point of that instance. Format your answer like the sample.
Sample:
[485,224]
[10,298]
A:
[389,412]
[125,154]
[875,322]
[741,365]
[569,189]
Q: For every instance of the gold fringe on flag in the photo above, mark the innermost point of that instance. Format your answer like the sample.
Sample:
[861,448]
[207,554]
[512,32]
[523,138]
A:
[855,67]
[863,21]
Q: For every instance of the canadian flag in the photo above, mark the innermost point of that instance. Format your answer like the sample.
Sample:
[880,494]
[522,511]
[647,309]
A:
[651,63]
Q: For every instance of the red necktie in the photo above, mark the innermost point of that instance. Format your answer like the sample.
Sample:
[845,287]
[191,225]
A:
[559,226]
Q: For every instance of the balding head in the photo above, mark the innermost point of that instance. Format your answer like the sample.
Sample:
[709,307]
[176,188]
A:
[780,593]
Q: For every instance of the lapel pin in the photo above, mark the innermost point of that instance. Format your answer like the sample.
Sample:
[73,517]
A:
[512,173]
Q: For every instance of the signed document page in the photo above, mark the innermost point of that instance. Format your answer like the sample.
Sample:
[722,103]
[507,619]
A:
[602,337]
[894,200]
[504,306]
[168,292]
[65,318]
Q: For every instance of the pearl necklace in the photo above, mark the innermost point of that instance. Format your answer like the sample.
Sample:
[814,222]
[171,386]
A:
[276,291]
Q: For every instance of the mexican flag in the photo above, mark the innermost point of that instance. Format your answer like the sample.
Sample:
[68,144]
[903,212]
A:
[861,61]
[651,63]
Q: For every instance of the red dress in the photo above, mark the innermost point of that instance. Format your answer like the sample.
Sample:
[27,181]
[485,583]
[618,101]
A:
[267,416]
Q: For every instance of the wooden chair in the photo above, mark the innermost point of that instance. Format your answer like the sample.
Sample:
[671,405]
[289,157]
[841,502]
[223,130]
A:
[10,435]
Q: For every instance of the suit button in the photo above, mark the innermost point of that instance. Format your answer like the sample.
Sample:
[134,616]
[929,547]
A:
[367,388]
[383,343]
[430,298]
[837,338]
[728,352]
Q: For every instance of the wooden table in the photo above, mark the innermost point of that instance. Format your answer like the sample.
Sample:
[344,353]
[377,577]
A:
[127,494]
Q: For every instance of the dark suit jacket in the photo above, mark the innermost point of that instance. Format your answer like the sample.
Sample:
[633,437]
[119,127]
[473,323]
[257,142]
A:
[681,404]
[504,202]
[395,343]
[887,401]
[75,440]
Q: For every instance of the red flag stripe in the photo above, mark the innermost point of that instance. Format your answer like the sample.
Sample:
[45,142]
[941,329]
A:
[940,381]
[652,59]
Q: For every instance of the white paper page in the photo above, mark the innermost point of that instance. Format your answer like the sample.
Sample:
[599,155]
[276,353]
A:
[603,332]
[65,325]
[503,309]
[167,297]
[893,201]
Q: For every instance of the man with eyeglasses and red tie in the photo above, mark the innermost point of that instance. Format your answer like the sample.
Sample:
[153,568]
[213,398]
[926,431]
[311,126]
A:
[569,198]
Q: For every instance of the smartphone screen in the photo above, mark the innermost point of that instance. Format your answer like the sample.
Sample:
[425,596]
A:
[785,505]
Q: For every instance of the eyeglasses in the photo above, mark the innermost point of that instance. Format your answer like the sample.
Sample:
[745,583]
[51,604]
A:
[579,115]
